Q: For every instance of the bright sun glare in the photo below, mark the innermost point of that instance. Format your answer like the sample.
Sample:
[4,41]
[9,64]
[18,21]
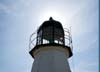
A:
[49,14]
[56,15]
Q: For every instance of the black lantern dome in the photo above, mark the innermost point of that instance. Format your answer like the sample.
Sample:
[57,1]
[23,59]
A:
[50,32]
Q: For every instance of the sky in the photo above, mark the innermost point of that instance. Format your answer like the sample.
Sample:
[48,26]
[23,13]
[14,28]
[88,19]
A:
[20,18]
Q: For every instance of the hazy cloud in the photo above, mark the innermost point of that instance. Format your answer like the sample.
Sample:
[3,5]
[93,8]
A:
[85,66]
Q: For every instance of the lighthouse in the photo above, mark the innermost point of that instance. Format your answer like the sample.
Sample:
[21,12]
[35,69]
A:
[51,47]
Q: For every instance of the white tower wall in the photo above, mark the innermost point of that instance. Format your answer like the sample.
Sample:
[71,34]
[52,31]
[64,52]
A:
[51,59]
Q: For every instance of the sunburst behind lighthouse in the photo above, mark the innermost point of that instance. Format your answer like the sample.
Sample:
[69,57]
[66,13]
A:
[53,47]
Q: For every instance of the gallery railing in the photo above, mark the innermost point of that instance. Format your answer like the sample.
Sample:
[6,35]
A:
[67,39]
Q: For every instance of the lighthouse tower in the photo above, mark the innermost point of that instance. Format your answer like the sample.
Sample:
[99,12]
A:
[53,47]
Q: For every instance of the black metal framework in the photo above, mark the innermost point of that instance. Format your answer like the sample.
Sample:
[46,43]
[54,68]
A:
[51,32]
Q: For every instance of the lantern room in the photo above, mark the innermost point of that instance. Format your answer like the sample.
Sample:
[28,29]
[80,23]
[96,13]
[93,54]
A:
[50,31]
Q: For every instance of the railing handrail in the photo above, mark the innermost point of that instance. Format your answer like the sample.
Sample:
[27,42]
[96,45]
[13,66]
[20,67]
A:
[68,38]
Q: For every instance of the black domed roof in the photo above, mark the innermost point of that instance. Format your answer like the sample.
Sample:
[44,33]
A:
[51,22]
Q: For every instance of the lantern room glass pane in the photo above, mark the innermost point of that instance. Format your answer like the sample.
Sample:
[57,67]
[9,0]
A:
[48,34]
[39,38]
[58,36]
